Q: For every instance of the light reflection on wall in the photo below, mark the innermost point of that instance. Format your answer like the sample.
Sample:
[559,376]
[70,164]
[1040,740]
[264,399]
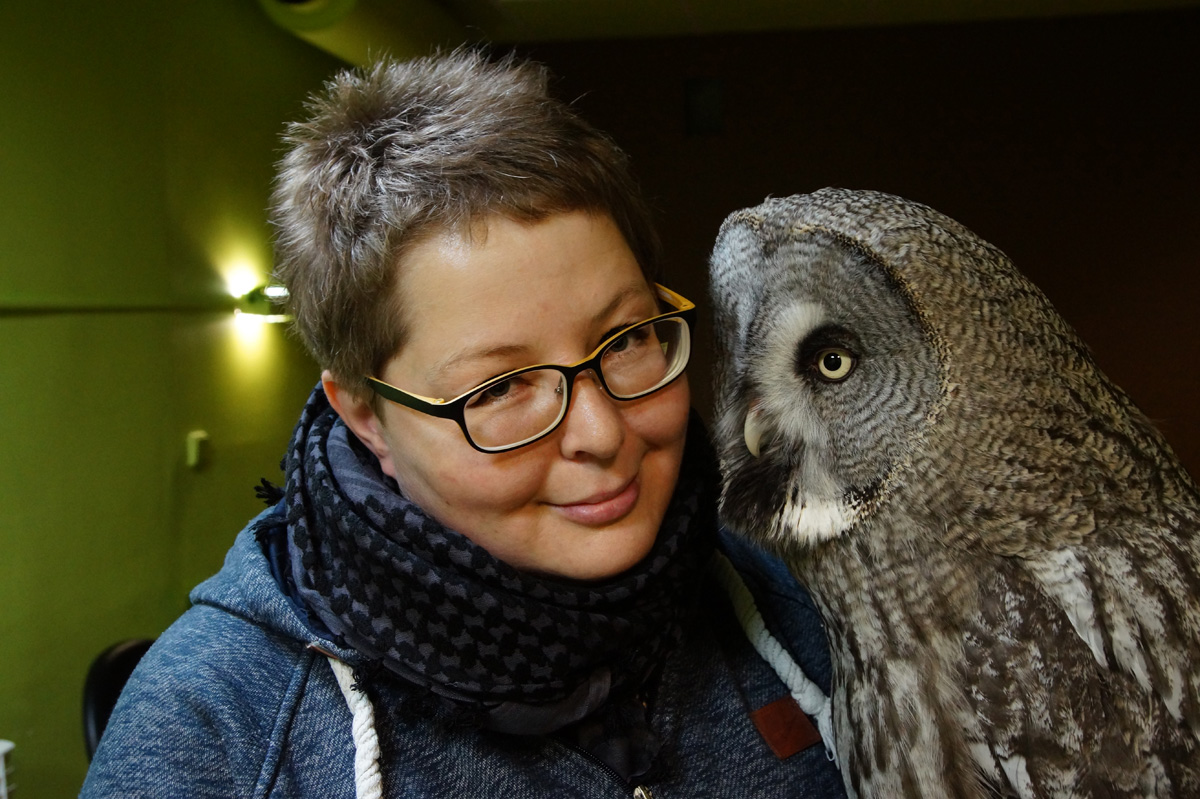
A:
[252,357]
[256,338]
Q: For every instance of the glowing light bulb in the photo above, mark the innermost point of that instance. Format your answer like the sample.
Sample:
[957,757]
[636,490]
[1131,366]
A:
[241,279]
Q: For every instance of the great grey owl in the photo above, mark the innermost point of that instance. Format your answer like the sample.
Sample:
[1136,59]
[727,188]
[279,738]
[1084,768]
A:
[1002,547]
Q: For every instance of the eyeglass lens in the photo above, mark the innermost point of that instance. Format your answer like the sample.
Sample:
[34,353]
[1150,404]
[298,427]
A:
[524,406]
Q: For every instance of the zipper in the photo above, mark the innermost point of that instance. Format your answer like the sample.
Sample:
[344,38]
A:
[639,791]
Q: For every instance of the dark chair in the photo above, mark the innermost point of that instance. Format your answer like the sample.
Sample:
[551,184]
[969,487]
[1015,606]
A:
[105,679]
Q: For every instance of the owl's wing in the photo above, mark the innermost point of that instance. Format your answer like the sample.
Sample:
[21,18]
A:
[1081,662]
[1133,594]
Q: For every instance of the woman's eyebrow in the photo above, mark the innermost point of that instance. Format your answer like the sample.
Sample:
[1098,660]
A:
[630,292]
[467,354]
[440,370]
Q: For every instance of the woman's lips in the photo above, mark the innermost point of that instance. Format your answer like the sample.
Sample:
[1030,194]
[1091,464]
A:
[603,508]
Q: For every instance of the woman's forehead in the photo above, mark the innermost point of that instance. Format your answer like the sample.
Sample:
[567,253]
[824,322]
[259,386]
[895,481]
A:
[563,256]
[522,285]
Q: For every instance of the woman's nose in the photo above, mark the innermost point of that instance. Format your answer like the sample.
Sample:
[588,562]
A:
[593,426]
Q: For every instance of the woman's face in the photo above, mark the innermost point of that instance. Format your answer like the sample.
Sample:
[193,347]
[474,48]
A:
[584,502]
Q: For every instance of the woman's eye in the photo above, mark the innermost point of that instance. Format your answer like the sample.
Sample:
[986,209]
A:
[835,364]
[629,339]
[499,390]
[492,393]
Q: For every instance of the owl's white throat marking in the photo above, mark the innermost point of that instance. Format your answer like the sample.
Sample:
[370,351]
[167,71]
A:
[813,519]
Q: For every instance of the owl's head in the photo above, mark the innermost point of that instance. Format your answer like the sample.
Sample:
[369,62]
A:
[874,354]
[826,375]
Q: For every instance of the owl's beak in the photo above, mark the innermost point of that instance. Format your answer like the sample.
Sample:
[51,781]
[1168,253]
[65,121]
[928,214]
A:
[753,431]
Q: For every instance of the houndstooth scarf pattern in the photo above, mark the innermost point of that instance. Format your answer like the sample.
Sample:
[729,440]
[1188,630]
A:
[530,653]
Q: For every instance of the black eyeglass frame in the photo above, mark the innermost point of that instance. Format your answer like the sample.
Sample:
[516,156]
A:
[455,408]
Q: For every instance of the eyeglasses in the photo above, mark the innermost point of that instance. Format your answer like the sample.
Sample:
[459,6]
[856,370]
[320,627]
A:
[524,405]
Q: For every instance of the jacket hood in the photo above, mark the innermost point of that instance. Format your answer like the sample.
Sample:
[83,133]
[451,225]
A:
[247,587]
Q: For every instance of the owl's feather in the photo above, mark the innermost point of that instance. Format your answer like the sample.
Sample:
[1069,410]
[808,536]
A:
[1004,549]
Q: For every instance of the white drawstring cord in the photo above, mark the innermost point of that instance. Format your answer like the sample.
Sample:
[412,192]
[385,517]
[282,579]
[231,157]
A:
[368,781]
[808,695]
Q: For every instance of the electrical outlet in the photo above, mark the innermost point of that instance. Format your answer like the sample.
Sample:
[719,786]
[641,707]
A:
[197,453]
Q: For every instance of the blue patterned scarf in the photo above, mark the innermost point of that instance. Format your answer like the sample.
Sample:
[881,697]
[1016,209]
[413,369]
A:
[525,653]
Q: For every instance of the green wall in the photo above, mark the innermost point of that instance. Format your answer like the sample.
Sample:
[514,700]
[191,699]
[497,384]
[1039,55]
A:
[136,149]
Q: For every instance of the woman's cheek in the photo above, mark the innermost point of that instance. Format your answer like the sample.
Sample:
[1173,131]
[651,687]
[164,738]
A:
[665,422]
[504,485]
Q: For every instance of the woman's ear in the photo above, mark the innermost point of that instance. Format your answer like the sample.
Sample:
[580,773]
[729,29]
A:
[361,418]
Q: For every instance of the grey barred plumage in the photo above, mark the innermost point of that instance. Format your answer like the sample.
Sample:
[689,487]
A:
[1003,548]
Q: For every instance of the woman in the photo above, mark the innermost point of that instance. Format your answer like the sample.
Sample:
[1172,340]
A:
[486,574]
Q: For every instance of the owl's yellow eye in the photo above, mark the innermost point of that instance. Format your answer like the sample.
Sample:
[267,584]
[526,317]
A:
[835,364]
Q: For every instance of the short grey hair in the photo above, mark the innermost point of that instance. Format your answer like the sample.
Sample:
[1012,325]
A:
[400,151]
